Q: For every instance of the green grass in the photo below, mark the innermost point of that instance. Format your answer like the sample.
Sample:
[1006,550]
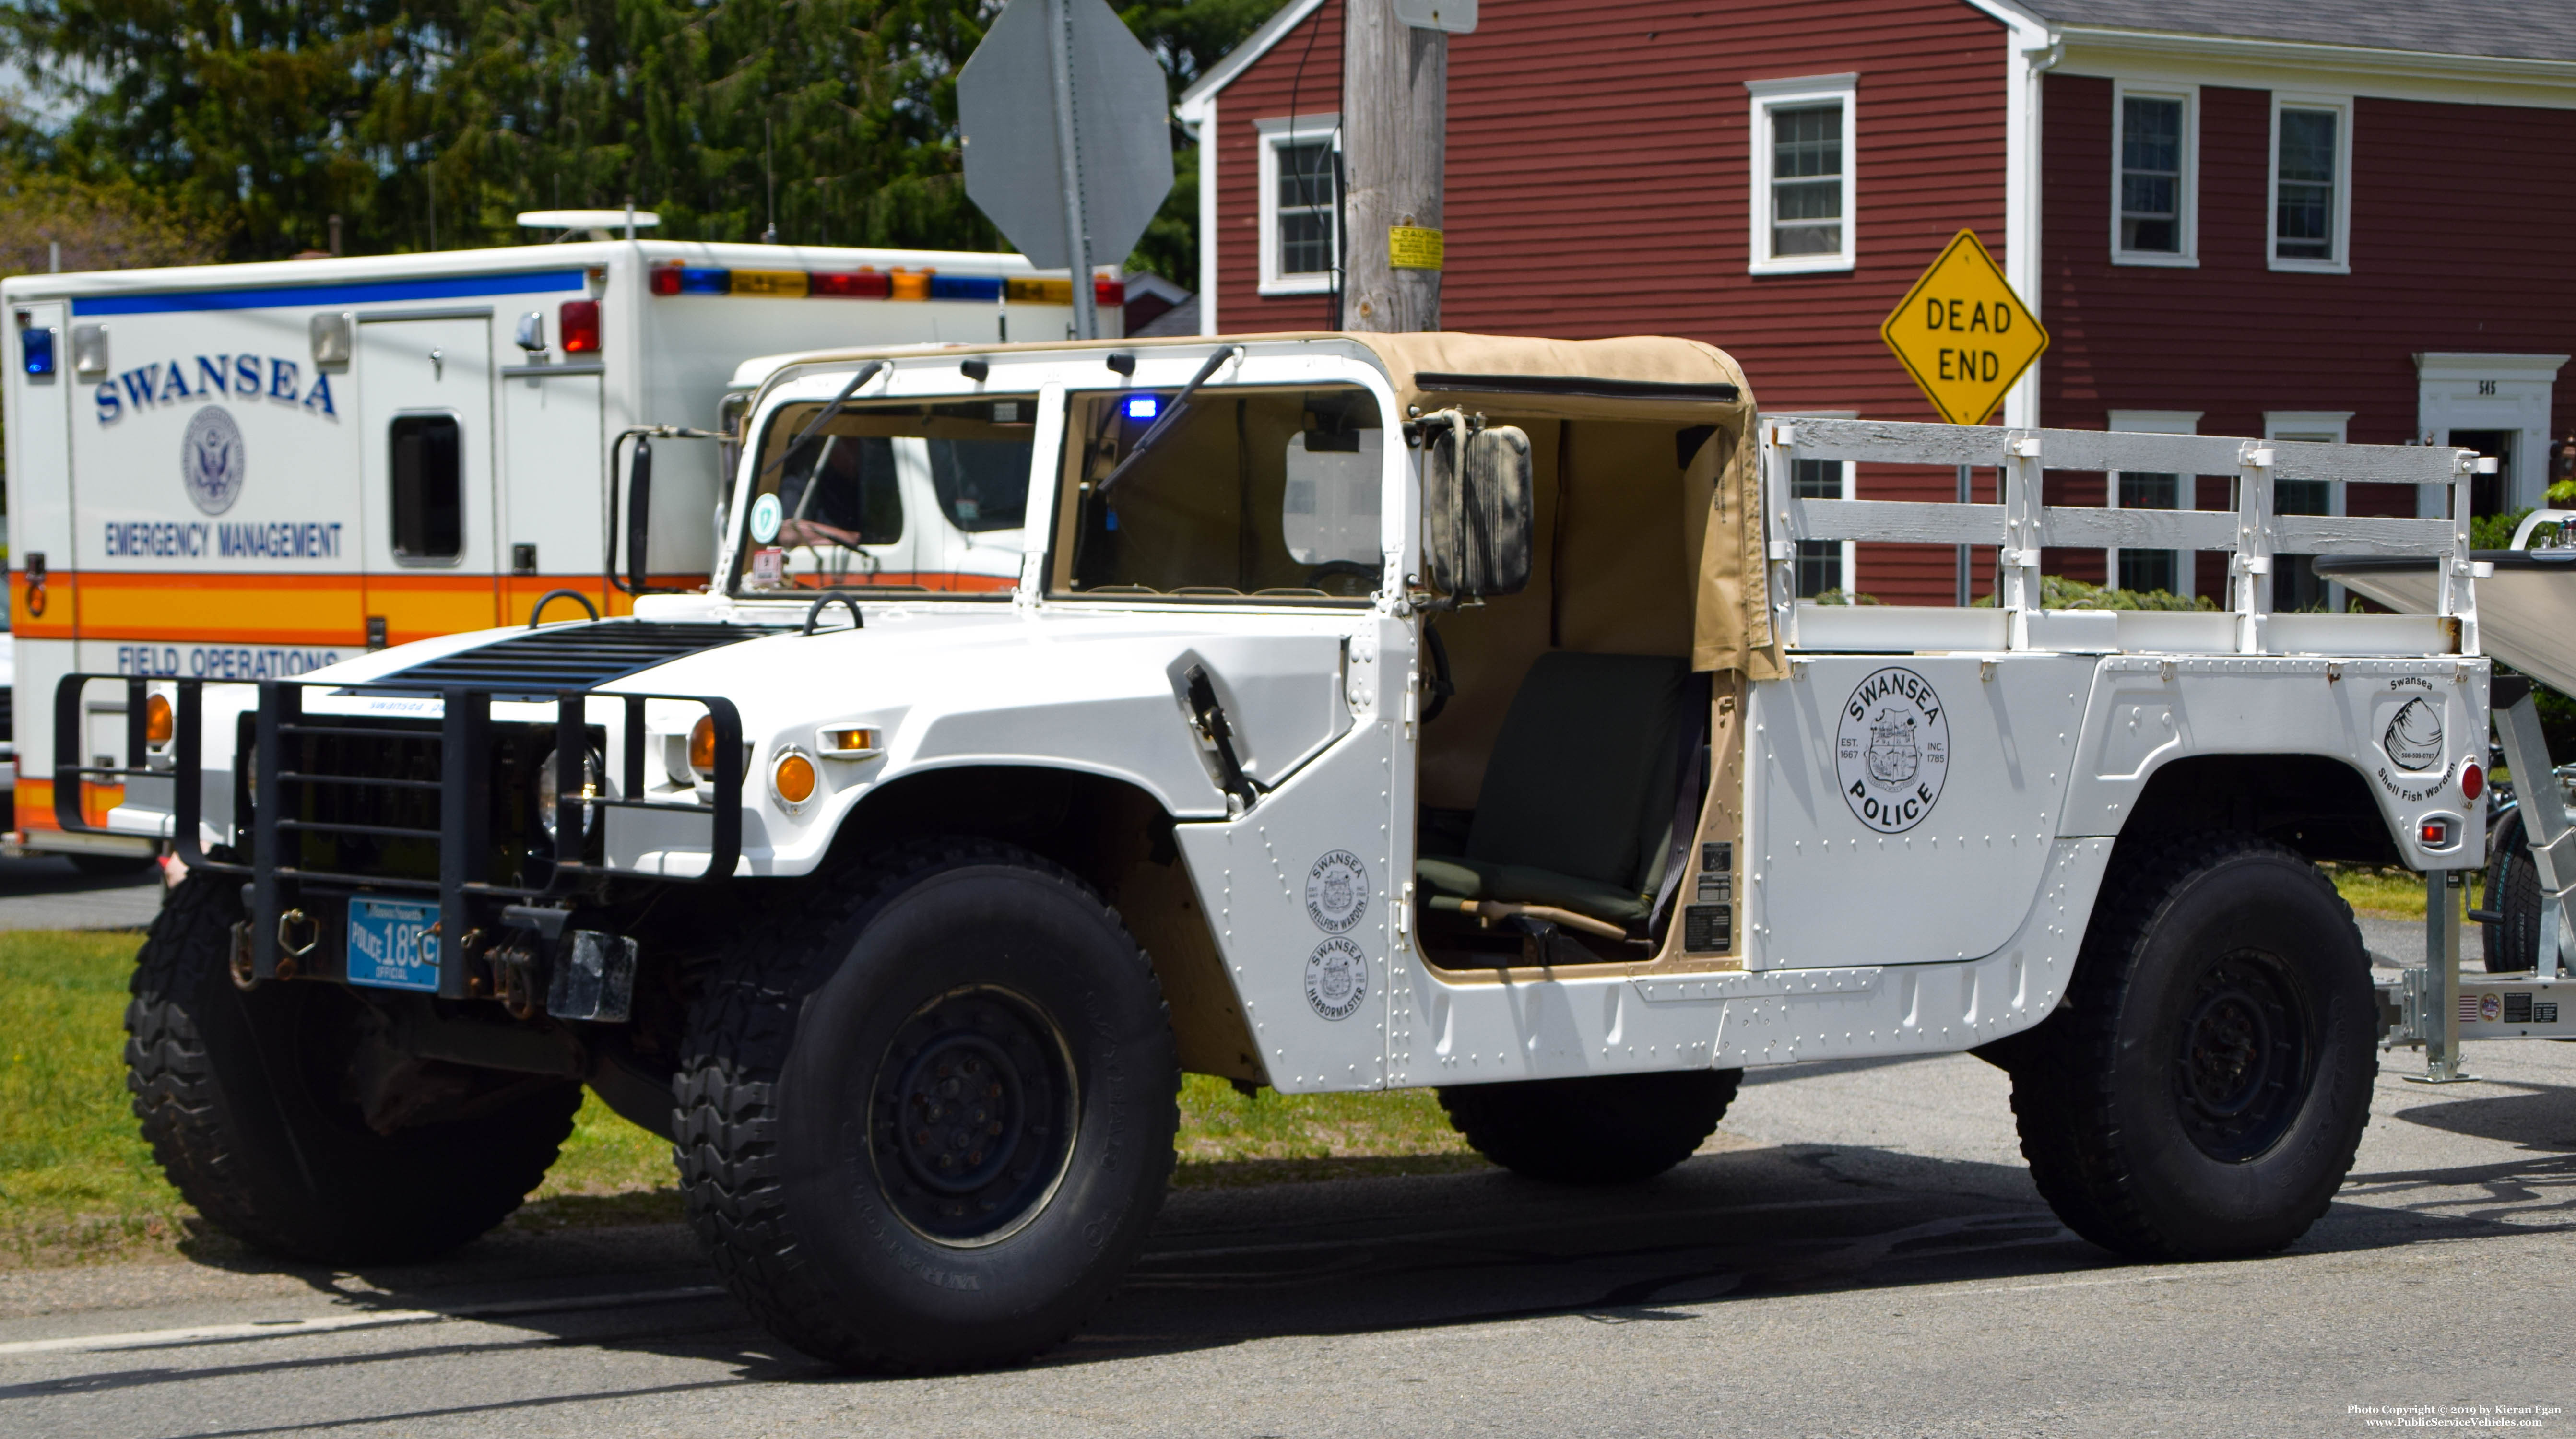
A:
[78,1185]
[2391,893]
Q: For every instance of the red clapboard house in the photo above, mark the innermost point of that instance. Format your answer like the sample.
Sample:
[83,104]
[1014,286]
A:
[2310,219]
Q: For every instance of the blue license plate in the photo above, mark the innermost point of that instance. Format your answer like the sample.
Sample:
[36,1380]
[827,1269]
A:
[393,944]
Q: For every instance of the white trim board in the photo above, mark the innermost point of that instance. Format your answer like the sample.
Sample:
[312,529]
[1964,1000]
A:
[2291,65]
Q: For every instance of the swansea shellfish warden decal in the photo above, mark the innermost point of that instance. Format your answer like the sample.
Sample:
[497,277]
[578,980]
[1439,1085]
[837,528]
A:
[1892,750]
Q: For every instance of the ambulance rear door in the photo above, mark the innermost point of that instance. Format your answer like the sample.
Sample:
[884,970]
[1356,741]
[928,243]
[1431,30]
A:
[425,460]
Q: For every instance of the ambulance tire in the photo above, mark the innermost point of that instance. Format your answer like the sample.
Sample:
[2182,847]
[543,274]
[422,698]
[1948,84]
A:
[2511,940]
[1603,1129]
[241,1096]
[833,1158]
[2202,1092]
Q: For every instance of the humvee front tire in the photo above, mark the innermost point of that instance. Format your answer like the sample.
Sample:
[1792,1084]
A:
[244,1099]
[2203,1091]
[926,1117]
[1602,1129]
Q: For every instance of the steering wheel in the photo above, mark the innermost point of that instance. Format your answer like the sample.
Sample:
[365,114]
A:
[1366,574]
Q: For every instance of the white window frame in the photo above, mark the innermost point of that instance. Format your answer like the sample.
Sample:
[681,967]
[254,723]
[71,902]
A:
[1850,561]
[2340,261]
[1769,95]
[2186,183]
[2186,489]
[1275,134]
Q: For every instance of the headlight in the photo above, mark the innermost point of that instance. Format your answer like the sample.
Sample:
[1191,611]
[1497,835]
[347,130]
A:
[550,790]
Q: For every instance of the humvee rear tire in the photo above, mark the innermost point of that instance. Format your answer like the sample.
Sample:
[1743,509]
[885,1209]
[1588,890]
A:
[2203,1090]
[241,1095]
[1603,1129]
[927,1110]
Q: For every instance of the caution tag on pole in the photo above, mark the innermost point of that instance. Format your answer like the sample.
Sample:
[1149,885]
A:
[1963,334]
[1410,247]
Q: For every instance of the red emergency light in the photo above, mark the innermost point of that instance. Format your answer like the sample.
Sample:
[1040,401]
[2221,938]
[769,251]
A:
[578,323]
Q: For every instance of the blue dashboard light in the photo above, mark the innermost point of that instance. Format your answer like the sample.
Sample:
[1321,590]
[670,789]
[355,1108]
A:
[36,347]
[1144,407]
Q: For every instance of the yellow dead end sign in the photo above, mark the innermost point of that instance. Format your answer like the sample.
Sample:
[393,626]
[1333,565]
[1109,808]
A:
[1963,334]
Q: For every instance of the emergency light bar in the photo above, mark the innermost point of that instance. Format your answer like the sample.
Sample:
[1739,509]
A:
[870,284]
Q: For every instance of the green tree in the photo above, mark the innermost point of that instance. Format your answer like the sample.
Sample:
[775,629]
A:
[433,123]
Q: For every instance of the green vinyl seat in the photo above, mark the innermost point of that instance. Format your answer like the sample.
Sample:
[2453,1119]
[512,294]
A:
[1576,808]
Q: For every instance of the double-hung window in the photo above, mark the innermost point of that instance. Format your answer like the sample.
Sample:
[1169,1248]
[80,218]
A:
[2155,179]
[1802,174]
[1301,203]
[1822,564]
[2148,570]
[2311,184]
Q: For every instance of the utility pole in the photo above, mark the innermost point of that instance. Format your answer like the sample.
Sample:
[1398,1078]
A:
[1395,109]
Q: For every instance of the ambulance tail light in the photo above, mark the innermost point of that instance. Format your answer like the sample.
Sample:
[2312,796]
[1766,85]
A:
[578,323]
[854,285]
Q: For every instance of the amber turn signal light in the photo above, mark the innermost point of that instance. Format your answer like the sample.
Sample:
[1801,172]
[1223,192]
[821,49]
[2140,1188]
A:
[158,724]
[793,778]
[702,747]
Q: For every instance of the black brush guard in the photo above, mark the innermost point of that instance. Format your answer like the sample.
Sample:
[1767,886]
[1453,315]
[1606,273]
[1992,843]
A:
[462,796]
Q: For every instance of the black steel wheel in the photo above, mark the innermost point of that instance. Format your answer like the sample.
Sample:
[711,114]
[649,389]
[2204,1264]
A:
[926,1111]
[2201,1093]
[2242,1055]
[973,1116]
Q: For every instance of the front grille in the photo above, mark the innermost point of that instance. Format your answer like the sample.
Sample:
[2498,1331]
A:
[362,798]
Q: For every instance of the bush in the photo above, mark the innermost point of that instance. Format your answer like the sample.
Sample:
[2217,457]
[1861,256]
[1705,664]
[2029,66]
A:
[2056,592]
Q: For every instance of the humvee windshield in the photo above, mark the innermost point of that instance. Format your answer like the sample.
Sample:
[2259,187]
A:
[1260,492]
[911,495]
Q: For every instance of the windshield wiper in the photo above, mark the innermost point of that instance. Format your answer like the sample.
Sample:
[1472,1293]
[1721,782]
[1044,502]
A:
[866,373]
[1180,403]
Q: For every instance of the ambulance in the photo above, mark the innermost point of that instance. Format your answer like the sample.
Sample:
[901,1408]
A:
[247,472]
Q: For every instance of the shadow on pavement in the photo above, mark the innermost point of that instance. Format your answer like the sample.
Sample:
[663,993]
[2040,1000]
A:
[1373,1254]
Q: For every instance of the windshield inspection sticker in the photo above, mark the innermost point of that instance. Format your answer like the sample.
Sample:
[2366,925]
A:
[1337,891]
[765,515]
[1893,750]
[1336,978]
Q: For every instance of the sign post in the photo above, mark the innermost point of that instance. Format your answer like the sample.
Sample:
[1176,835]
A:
[1067,147]
[1966,338]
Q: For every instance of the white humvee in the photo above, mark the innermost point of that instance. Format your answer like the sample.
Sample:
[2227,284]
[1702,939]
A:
[1367,712]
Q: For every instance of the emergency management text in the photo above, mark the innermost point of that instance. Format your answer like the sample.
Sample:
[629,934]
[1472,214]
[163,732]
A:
[233,540]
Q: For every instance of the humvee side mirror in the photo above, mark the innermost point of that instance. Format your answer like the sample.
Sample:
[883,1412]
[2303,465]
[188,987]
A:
[1475,509]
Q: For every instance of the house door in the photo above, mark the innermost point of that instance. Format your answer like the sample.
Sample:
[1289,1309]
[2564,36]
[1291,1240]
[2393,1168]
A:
[425,471]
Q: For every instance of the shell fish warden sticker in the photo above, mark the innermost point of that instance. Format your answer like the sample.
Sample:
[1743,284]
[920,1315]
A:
[1336,978]
[2414,736]
[1337,891]
[210,459]
[1892,751]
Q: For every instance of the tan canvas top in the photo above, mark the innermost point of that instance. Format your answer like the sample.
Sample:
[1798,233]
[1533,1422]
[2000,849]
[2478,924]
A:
[1731,628]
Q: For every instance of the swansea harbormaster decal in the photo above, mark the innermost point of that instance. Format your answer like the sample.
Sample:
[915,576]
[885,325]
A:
[1892,750]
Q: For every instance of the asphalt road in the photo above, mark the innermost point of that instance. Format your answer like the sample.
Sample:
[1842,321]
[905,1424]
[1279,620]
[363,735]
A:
[46,892]
[1859,1253]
